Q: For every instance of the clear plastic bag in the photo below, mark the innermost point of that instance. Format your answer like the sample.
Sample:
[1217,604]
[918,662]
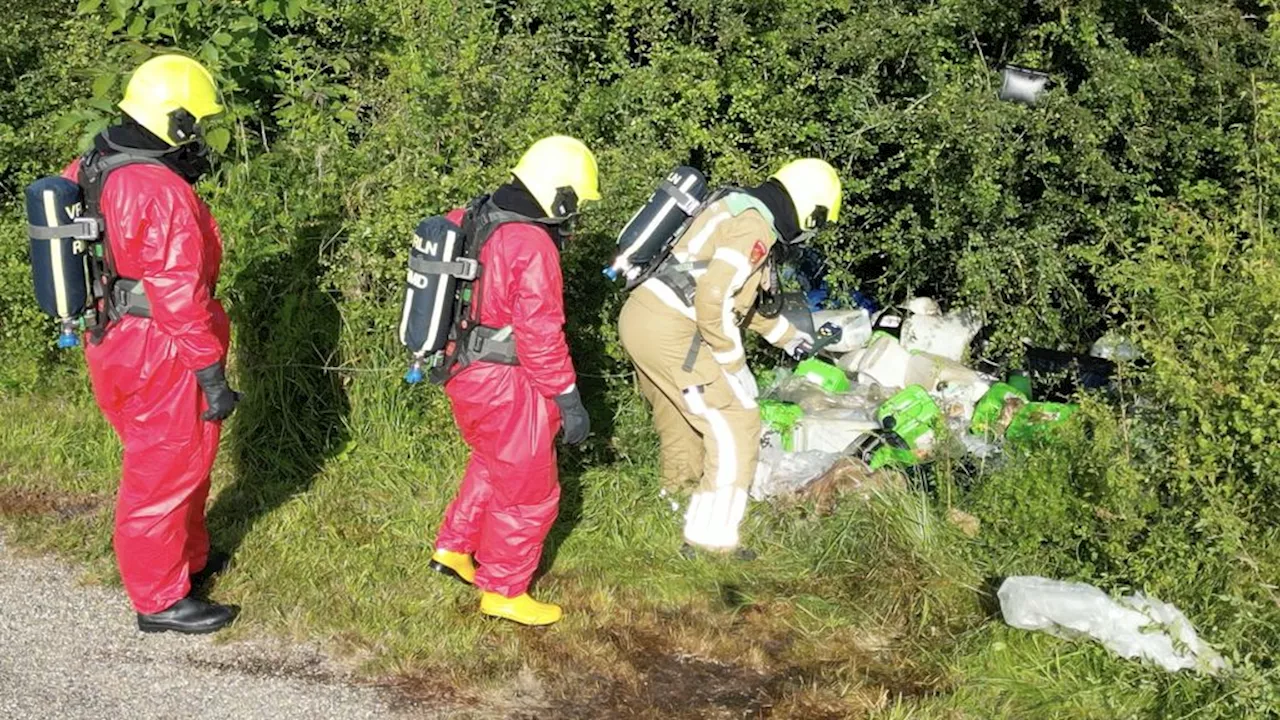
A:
[813,399]
[1133,627]
[784,473]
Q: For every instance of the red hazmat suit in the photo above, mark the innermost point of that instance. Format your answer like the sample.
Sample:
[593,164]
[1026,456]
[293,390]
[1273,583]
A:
[143,376]
[506,413]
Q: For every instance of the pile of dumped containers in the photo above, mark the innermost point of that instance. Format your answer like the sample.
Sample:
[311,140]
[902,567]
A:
[888,393]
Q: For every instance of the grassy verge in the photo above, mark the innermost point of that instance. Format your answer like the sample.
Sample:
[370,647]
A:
[877,609]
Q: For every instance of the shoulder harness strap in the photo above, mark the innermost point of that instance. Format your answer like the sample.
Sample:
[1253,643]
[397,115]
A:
[95,168]
[480,220]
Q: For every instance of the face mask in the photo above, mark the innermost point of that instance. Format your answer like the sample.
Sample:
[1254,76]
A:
[192,160]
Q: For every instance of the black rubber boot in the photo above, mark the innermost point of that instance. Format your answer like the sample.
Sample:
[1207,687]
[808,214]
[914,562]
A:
[190,616]
[215,565]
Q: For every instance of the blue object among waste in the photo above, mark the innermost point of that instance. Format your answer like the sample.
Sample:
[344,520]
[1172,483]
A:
[810,271]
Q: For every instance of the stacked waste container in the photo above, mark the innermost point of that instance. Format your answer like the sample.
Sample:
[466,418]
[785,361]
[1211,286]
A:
[889,393]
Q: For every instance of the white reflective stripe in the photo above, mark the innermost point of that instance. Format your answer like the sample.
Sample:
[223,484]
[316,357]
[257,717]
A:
[409,295]
[694,401]
[734,258]
[653,225]
[728,506]
[780,328]
[569,389]
[442,287]
[731,356]
[695,518]
[728,323]
[668,297]
[726,449]
[713,516]
[739,392]
[55,257]
[730,328]
[701,238]
[707,527]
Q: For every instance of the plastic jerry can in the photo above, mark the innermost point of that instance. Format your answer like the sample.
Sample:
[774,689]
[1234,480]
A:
[986,414]
[889,322]
[1039,419]
[781,418]
[912,415]
[824,375]
[830,434]
[855,328]
[883,362]
[946,335]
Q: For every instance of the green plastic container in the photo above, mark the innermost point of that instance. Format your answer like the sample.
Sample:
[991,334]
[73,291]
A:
[910,418]
[781,418]
[1021,382]
[1038,420]
[988,409]
[888,456]
[824,375]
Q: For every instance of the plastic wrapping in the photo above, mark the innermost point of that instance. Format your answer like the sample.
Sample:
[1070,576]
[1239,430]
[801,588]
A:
[1115,348]
[1135,626]
[782,473]
[794,389]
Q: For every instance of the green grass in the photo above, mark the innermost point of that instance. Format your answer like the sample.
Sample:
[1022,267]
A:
[877,610]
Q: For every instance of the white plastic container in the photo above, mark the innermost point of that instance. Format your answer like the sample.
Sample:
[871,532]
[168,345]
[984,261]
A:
[854,324]
[946,335]
[883,362]
[828,434]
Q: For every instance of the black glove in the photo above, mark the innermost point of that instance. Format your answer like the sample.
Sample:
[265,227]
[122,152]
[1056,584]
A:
[573,416]
[221,398]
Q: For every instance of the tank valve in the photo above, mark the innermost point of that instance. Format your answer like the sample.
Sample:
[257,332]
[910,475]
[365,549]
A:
[415,374]
[68,338]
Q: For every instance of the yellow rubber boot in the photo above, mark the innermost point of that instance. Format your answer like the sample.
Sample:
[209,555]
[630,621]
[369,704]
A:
[522,609]
[454,564]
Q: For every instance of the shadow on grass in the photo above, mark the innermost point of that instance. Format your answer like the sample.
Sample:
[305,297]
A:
[291,419]
[587,294]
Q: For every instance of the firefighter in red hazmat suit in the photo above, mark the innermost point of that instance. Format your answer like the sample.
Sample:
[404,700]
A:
[158,370]
[510,411]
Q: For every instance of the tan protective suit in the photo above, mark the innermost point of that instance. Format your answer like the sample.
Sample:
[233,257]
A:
[708,424]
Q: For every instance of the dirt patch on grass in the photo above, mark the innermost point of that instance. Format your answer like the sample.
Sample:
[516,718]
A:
[694,663]
[23,502]
[427,690]
[639,673]
[656,679]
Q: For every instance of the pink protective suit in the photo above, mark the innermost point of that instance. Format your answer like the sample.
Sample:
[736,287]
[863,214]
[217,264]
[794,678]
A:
[510,495]
[143,376]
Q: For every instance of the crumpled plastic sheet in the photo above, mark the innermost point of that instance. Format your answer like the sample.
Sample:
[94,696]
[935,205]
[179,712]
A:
[979,447]
[1134,626]
[783,473]
[813,399]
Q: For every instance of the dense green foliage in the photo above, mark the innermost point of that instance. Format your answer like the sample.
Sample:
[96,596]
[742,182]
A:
[1137,196]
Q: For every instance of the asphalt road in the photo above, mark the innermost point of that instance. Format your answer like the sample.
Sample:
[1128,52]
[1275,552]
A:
[71,652]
